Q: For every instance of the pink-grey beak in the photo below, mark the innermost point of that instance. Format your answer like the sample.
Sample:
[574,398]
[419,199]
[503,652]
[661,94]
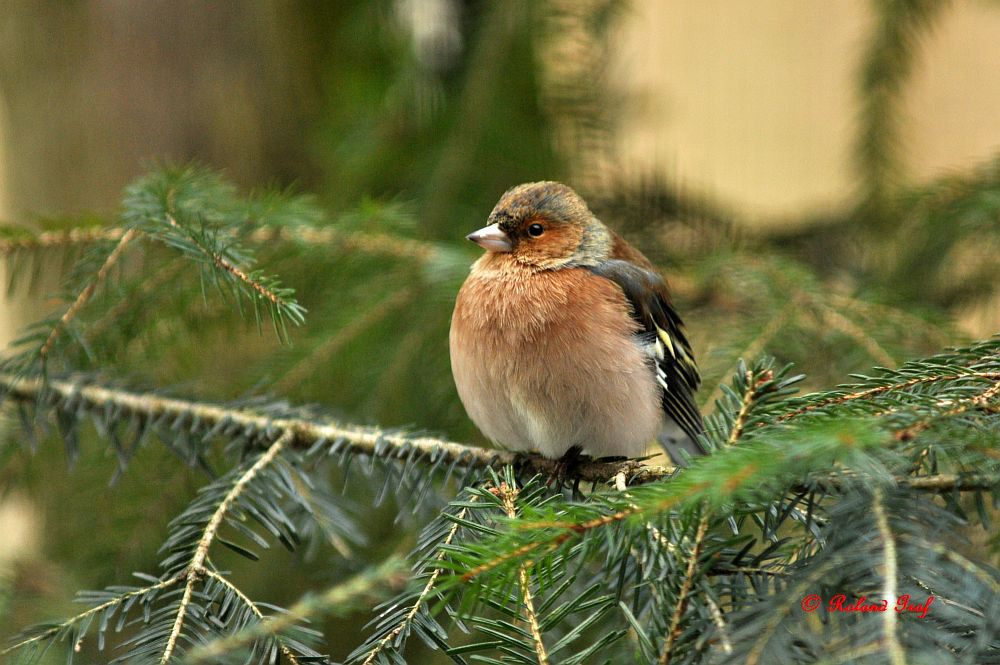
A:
[491,238]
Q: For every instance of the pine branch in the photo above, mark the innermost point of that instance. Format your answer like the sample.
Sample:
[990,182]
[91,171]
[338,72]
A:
[376,442]
[982,400]
[255,285]
[673,629]
[337,599]
[752,383]
[369,441]
[851,439]
[196,213]
[871,392]
[117,600]
[422,598]
[86,235]
[889,574]
[508,495]
[88,291]
[197,565]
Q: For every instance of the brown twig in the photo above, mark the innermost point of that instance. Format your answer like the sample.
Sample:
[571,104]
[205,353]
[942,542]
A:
[982,400]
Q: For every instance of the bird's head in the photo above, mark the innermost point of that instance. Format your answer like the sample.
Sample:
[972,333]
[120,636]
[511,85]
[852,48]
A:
[545,225]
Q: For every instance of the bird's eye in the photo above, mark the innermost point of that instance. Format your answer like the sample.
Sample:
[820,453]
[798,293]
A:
[536,230]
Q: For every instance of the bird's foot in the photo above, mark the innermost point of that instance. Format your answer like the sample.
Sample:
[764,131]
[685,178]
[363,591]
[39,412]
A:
[566,467]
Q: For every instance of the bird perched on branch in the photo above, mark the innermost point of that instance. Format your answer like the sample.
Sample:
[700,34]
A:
[564,339]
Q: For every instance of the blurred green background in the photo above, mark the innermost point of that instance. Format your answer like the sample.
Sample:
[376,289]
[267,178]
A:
[817,180]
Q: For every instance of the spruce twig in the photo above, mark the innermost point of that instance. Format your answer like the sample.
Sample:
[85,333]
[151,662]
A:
[196,567]
[224,264]
[339,596]
[871,392]
[889,619]
[424,594]
[248,603]
[77,618]
[674,628]
[508,496]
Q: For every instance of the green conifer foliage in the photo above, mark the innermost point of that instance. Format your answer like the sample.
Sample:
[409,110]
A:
[266,384]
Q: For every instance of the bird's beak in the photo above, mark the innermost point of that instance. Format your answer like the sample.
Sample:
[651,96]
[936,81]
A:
[491,238]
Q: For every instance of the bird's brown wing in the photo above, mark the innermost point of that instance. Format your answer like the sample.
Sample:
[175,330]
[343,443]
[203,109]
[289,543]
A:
[663,334]
[620,249]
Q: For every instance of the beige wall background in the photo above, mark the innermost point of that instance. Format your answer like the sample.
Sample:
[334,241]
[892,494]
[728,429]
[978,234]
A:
[750,103]
[753,102]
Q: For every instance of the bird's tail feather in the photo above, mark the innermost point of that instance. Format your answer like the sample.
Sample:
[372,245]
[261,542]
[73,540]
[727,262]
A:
[679,444]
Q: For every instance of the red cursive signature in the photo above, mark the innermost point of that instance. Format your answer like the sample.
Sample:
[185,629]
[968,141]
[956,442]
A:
[839,603]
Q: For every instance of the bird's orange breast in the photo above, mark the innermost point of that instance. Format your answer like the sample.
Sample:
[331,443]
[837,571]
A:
[547,360]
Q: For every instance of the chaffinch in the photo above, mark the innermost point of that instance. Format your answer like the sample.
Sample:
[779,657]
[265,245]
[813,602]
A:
[563,336]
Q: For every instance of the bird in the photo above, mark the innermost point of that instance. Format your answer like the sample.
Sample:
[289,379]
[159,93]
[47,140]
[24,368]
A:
[564,339]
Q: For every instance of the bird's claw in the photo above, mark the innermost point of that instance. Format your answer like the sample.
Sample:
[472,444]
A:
[566,466]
